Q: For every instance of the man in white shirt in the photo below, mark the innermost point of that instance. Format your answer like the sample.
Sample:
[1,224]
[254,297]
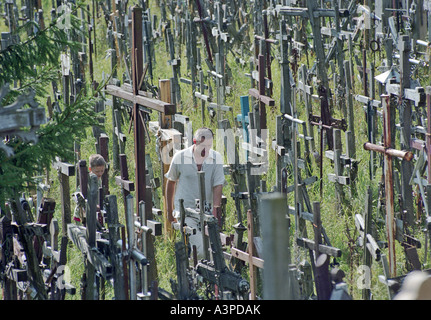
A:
[183,181]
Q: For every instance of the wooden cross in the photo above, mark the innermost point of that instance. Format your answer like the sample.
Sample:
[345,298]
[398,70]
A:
[338,177]
[137,256]
[203,20]
[139,98]
[26,231]
[250,256]
[85,239]
[219,77]
[44,216]
[193,60]
[366,240]
[424,159]
[104,152]
[389,152]
[14,118]
[327,123]
[65,170]
[370,107]
[141,103]
[266,42]
[175,64]
[307,92]
[201,86]
[58,258]
[119,277]
[259,94]
[285,81]
[406,96]
[313,13]
[6,254]
[217,272]
[127,186]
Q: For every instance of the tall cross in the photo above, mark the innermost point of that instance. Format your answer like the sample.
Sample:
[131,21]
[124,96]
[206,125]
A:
[259,94]
[326,123]
[141,102]
[389,152]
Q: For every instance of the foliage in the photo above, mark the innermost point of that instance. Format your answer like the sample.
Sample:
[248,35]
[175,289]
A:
[37,56]
[34,64]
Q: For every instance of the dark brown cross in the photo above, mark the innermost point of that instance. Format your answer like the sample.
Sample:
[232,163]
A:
[389,152]
[268,43]
[326,123]
[259,94]
[139,98]
[142,101]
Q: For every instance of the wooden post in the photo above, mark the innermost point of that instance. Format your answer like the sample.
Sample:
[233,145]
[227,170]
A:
[115,254]
[276,246]
[389,152]
[6,253]
[65,171]
[202,200]
[141,102]
[166,121]
[404,47]
[90,290]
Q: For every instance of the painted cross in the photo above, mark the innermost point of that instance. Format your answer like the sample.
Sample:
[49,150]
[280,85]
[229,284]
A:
[278,284]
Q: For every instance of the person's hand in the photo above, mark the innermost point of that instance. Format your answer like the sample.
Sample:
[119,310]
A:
[171,217]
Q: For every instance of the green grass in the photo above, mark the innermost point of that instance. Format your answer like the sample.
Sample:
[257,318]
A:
[340,228]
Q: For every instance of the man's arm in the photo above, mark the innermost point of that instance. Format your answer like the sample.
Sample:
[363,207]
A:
[170,194]
[217,194]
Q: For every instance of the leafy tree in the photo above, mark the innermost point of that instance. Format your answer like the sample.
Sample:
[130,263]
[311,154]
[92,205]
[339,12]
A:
[34,63]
